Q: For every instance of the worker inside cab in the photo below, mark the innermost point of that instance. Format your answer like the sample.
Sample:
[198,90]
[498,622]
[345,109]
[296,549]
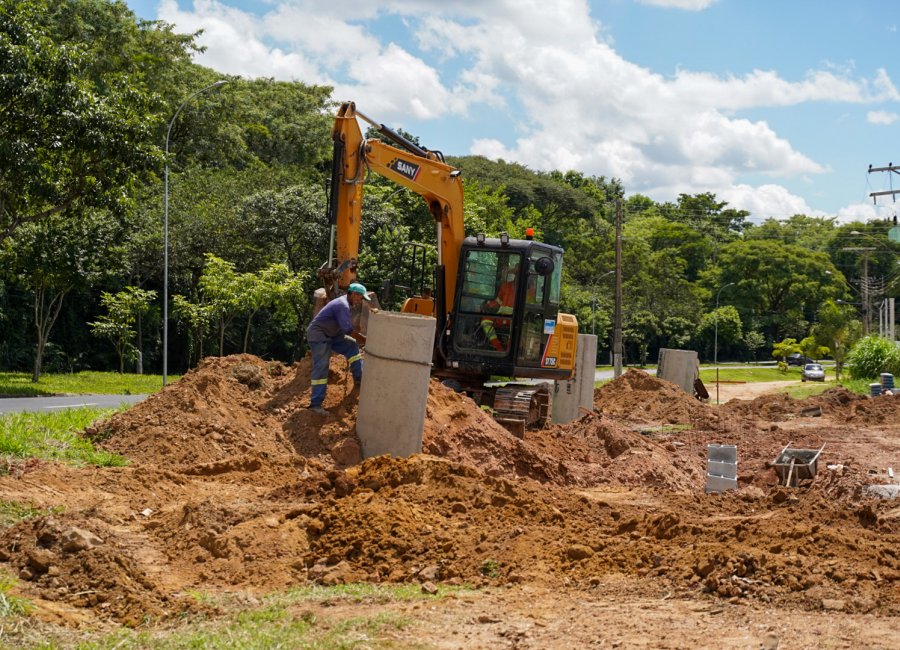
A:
[496,330]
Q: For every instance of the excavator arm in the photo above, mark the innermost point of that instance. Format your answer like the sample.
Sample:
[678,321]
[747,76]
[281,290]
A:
[418,169]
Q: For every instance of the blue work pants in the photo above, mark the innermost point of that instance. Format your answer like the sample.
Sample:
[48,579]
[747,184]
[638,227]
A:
[321,354]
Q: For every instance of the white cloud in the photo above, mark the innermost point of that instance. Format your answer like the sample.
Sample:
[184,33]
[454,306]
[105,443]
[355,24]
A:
[865,212]
[691,5]
[234,42]
[882,117]
[767,201]
[573,101]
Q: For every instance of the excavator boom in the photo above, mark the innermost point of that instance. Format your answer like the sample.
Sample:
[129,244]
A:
[413,167]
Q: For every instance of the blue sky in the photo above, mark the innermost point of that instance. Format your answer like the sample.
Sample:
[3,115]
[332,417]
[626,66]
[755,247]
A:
[777,107]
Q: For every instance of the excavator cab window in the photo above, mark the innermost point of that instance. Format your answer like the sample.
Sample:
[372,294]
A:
[541,298]
[487,302]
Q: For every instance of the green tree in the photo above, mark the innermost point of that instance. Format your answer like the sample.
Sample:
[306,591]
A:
[222,287]
[812,349]
[273,286]
[199,318]
[812,233]
[730,329]
[72,132]
[640,329]
[118,323]
[783,349]
[837,329]
[779,286]
[754,341]
[56,255]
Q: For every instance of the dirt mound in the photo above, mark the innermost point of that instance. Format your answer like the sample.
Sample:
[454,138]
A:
[598,451]
[78,561]
[232,406]
[428,519]
[206,416]
[640,398]
[839,404]
[457,429]
[860,409]
[773,408]
[235,485]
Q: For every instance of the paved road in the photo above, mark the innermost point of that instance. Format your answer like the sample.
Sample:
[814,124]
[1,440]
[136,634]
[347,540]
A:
[50,404]
[600,375]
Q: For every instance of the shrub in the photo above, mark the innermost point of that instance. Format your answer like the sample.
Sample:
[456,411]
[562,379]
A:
[871,356]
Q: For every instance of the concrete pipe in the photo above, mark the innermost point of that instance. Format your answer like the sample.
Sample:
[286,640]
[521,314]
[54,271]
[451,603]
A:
[394,390]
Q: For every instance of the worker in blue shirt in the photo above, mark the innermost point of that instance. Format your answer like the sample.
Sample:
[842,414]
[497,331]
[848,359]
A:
[332,331]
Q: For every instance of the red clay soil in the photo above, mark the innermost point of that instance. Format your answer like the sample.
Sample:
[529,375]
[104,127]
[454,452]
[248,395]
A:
[233,484]
[641,398]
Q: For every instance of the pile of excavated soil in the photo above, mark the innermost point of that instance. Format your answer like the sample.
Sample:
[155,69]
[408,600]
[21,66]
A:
[600,451]
[76,560]
[640,398]
[839,404]
[884,409]
[232,410]
[771,408]
[232,406]
[235,485]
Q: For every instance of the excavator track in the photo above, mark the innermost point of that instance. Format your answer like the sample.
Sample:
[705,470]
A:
[521,406]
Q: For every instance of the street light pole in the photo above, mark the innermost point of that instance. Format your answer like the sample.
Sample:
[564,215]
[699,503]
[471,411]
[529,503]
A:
[617,316]
[716,340]
[165,360]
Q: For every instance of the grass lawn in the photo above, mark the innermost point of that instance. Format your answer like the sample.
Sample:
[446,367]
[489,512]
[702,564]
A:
[53,436]
[19,384]
[279,620]
[802,390]
[749,374]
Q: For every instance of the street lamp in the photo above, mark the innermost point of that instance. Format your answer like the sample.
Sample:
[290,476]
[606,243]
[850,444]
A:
[716,340]
[165,371]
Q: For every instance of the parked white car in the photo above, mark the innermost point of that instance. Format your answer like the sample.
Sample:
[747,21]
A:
[812,372]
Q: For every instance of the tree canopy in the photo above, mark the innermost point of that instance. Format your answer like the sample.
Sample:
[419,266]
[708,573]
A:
[88,92]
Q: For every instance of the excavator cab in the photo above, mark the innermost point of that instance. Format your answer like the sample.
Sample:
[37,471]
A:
[506,319]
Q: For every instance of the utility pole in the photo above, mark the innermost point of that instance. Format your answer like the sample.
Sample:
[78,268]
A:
[865,283]
[891,167]
[617,332]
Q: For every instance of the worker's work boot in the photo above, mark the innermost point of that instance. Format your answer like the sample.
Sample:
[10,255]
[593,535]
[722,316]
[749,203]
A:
[318,410]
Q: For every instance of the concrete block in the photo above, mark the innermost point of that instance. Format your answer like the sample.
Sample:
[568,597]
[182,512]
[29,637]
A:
[681,367]
[394,390]
[721,468]
[568,395]
[587,361]
[724,453]
[720,483]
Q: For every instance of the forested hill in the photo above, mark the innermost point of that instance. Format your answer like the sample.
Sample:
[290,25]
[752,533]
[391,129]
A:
[88,94]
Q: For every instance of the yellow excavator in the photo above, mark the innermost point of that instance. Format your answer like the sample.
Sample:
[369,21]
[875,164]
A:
[495,300]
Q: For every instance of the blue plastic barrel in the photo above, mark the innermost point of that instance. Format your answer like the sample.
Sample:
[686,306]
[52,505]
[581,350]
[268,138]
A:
[887,381]
[875,390]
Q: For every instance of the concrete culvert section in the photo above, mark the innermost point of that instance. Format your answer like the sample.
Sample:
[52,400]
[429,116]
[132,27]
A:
[394,389]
